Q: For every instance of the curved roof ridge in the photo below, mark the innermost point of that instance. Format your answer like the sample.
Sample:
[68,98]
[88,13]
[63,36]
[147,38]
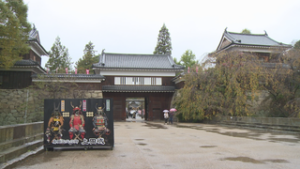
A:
[136,54]
[229,36]
[247,34]
[278,42]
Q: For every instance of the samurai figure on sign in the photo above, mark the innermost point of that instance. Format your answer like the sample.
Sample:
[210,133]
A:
[55,123]
[77,124]
[100,122]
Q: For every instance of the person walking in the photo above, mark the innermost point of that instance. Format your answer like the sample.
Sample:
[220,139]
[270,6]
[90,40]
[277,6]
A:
[171,114]
[166,116]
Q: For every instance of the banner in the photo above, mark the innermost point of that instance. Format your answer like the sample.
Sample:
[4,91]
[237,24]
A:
[84,105]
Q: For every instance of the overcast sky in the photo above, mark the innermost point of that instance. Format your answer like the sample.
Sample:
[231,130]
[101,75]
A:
[132,26]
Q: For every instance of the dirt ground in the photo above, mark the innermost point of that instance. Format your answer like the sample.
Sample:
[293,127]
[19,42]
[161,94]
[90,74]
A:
[153,145]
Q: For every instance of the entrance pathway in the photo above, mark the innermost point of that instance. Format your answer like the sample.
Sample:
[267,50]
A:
[152,145]
[136,119]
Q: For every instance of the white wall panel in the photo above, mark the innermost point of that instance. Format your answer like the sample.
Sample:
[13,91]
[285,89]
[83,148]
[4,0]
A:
[136,73]
[147,81]
[117,81]
[129,81]
[158,81]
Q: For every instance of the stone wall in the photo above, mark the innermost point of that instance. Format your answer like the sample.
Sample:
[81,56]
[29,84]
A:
[260,103]
[26,105]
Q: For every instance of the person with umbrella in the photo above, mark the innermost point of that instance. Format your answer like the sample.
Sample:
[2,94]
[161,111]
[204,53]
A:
[171,114]
[166,116]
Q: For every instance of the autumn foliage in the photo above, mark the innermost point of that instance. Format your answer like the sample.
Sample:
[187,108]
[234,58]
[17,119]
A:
[233,82]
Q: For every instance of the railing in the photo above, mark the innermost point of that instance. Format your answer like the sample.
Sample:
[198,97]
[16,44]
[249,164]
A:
[16,140]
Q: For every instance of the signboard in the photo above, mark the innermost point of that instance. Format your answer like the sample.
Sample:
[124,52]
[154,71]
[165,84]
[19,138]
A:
[78,124]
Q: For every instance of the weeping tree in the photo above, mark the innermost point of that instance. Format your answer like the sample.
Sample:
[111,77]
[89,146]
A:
[283,85]
[228,88]
[196,100]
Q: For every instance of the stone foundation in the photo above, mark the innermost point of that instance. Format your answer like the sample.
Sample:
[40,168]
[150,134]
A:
[27,105]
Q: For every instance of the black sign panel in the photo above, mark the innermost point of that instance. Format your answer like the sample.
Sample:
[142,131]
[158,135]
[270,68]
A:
[78,124]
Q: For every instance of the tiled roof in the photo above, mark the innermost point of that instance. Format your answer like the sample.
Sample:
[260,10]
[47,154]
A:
[29,65]
[252,39]
[137,61]
[133,88]
[34,34]
[34,40]
[26,63]
[77,76]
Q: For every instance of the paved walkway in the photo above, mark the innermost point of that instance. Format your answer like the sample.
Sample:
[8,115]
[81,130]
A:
[184,146]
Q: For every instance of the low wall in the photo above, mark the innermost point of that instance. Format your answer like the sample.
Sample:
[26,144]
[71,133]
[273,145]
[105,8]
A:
[265,120]
[276,123]
[16,140]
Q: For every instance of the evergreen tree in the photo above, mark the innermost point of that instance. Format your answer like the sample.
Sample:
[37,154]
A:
[88,59]
[297,45]
[14,30]
[59,57]
[246,31]
[188,59]
[164,45]
[176,62]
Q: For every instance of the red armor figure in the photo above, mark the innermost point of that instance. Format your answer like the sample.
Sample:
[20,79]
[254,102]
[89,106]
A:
[77,124]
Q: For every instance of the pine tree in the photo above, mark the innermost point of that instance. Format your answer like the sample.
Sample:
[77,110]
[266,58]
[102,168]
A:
[164,45]
[87,59]
[14,30]
[59,57]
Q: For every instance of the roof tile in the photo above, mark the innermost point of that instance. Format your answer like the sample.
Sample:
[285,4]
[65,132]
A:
[112,60]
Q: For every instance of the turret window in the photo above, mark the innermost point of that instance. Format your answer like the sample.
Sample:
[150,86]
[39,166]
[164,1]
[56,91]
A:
[138,81]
